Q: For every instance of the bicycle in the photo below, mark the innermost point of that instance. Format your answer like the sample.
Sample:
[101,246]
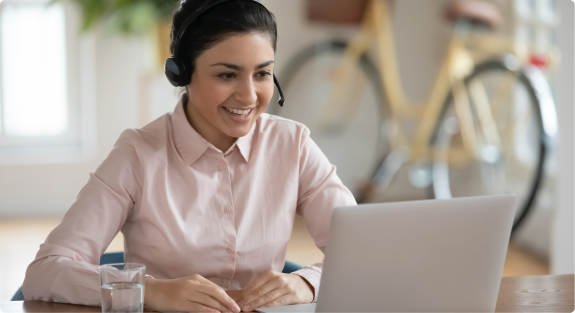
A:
[487,127]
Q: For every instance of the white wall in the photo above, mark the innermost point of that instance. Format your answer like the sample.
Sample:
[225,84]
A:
[562,260]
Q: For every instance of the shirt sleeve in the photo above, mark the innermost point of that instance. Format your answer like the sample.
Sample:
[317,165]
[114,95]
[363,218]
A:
[320,192]
[66,266]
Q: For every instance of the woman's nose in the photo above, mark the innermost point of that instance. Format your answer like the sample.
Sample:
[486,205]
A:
[246,92]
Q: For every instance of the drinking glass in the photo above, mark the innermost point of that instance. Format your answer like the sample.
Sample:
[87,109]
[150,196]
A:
[122,286]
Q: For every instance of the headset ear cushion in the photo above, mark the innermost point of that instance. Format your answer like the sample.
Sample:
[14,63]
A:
[176,72]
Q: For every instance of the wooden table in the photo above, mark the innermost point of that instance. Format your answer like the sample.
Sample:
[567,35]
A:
[549,293]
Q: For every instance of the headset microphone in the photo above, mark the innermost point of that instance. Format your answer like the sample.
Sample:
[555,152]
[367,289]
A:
[177,71]
[281,99]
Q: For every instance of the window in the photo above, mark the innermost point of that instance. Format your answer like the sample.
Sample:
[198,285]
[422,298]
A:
[45,68]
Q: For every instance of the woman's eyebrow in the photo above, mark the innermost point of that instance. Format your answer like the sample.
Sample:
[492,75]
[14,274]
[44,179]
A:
[240,68]
[264,64]
[228,65]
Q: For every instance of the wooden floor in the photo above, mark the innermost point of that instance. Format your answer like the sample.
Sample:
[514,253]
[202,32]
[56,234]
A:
[20,239]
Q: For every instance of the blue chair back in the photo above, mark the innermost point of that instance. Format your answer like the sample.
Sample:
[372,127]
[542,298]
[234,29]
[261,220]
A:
[118,257]
[112,257]
[290,267]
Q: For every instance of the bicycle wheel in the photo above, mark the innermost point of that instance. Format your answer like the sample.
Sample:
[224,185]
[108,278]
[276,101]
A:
[505,122]
[353,138]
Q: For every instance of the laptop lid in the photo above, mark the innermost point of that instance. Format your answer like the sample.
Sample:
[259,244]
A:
[421,256]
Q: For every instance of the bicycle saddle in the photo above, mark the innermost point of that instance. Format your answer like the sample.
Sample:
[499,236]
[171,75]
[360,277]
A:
[475,11]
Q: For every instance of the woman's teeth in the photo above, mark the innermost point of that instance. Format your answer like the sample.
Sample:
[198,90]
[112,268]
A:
[238,112]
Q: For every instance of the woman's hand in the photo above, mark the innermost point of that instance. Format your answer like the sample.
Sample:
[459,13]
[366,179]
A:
[190,294]
[275,289]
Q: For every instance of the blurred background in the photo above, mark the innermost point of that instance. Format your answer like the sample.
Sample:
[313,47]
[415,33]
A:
[74,74]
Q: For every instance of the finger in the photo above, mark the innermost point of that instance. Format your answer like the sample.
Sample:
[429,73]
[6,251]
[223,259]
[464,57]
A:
[286,299]
[252,291]
[208,301]
[196,307]
[205,281]
[262,294]
[218,294]
[269,297]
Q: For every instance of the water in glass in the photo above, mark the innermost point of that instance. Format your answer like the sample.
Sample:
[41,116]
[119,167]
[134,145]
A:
[123,297]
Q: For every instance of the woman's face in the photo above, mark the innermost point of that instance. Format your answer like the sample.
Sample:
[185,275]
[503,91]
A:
[231,86]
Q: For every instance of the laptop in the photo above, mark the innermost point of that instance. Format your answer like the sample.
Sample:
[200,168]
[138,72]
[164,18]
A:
[420,256]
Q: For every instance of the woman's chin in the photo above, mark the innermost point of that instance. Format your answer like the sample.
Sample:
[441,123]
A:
[237,132]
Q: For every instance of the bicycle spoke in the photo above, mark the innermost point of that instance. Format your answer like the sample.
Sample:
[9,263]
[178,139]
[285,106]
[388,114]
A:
[485,115]
[463,111]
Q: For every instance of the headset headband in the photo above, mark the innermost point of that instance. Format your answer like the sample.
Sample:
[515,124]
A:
[176,70]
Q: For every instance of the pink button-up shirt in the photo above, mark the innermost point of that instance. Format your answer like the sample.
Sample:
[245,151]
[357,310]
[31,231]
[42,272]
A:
[187,208]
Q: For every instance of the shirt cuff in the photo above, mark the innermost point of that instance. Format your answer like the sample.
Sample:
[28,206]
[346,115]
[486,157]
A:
[313,277]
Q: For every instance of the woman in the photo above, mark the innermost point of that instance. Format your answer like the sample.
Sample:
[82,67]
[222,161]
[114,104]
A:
[205,196]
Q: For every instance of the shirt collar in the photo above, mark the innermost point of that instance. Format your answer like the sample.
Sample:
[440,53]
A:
[191,145]
[245,143]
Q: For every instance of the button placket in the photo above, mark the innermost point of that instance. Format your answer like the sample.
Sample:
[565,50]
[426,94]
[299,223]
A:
[227,208]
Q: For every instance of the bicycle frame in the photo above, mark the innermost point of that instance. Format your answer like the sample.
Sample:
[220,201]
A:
[458,63]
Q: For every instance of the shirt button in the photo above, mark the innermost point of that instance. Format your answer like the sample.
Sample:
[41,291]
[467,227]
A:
[228,209]
[222,167]
[230,250]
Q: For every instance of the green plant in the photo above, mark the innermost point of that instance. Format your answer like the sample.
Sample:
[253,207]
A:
[124,16]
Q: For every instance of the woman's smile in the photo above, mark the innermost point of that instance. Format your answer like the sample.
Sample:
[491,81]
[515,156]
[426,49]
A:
[239,115]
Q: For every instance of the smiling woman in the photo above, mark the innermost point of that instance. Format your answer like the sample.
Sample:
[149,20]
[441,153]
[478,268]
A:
[222,65]
[216,184]
[233,76]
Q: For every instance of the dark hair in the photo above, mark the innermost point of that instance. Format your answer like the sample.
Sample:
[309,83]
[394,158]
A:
[217,24]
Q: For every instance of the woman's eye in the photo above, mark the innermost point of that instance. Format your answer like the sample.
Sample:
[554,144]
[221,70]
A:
[264,74]
[226,75]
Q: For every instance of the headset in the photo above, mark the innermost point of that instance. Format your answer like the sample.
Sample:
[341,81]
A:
[177,71]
